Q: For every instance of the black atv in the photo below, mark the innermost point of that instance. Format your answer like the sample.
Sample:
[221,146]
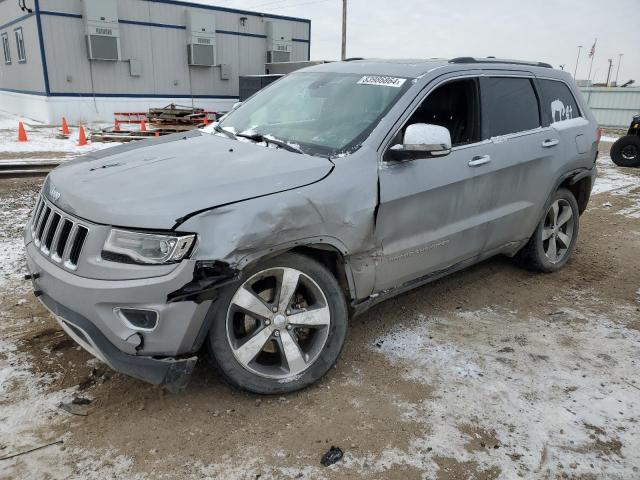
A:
[626,151]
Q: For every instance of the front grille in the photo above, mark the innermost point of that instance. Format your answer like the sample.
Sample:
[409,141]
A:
[57,235]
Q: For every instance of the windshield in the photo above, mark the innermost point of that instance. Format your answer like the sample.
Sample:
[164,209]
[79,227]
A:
[319,113]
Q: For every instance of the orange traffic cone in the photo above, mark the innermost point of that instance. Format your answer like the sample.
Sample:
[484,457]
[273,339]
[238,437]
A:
[22,135]
[82,138]
[206,119]
[65,127]
[157,134]
[143,126]
[116,126]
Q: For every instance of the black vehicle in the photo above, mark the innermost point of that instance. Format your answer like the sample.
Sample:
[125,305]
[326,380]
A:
[626,151]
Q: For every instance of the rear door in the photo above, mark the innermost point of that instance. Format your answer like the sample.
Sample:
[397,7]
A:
[566,122]
[520,170]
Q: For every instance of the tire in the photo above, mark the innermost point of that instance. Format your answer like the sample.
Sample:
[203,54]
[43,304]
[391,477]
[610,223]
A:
[296,344]
[560,225]
[625,152]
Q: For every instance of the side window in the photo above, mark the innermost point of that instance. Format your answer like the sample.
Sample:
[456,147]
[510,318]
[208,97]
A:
[559,103]
[511,105]
[6,49]
[455,106]
[22,55]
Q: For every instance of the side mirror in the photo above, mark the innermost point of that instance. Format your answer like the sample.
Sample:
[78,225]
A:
[422,140]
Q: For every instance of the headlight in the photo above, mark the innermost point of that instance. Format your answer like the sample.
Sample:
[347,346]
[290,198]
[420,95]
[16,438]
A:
[151,248]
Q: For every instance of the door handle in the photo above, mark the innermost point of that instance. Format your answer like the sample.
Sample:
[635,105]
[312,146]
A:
[552,142]
[480,160]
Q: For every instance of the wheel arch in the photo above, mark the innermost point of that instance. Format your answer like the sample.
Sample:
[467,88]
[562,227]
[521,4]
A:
[580,186]
[328,251]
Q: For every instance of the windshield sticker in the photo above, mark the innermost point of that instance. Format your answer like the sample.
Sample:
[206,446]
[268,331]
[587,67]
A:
[382,81]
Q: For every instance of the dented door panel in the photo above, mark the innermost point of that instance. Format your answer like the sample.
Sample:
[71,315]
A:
[432,215]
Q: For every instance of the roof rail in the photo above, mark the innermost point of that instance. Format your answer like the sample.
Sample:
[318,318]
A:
[498,60]
[353,59]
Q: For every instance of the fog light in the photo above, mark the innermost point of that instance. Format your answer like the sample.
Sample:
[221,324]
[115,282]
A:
[138,319]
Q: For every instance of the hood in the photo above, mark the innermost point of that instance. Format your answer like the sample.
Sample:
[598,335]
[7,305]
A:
[152,184]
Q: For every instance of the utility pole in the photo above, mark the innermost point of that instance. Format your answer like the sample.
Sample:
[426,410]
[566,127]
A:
[618,71]
[344,29]
[575,72]
[609,71]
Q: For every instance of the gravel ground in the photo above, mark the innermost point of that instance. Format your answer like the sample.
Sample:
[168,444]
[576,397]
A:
[491,373]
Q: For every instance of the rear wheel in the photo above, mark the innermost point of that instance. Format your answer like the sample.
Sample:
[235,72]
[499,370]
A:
[281,328]
[554,240]
[625,152]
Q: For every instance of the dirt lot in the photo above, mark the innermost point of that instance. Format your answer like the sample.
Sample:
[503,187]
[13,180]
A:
[494,372]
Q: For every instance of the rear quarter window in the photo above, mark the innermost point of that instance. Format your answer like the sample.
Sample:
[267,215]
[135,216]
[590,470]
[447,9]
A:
[558,102]
[511,105]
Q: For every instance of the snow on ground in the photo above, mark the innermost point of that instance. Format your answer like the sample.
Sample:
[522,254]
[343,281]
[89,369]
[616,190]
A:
[607,138]
[44,140]
[29,409]
[13,216]
[41,138]
[546,408]
[8,121]
[618,182]
[28,414]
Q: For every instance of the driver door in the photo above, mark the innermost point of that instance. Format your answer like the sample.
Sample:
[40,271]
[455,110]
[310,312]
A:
[431,213]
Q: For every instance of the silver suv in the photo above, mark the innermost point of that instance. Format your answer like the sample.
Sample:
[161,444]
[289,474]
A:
[333,189]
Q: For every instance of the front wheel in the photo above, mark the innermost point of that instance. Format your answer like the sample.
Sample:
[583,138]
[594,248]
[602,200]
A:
[625,152]
[281,328]
[554,240]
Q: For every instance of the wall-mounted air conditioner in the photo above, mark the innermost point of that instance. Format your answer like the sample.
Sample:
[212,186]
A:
[201,38]
[279,42]
[101,29]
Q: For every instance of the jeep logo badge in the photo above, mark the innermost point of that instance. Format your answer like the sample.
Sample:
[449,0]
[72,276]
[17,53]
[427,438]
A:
[53,193]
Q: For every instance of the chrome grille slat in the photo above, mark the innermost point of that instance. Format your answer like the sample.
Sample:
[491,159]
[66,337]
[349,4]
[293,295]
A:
[36,227]
[42,224]
[70,239]
[60,242]
[54,230]
[36,215]
[58,235]
[45,232]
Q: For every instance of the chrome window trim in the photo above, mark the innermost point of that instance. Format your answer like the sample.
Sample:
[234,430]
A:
[387,144]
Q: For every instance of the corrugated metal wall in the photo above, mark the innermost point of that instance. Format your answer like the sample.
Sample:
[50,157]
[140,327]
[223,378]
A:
[613,107]
[160,48]
[152,32]
[25,76]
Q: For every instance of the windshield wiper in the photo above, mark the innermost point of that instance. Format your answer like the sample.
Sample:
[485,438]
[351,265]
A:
[256,137]
[224,131]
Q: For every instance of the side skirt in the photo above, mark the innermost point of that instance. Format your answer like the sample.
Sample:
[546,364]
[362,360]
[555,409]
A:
[359,307]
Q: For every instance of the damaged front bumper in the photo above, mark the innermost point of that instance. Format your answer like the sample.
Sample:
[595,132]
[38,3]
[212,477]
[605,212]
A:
[172,373]
[87,309]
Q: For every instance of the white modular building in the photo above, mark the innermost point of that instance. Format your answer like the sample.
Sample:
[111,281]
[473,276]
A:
[86,59]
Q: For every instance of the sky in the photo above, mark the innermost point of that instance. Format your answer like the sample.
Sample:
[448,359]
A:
[541,30]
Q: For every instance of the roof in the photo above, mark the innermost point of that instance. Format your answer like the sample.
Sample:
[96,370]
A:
[204,4]
[413,68]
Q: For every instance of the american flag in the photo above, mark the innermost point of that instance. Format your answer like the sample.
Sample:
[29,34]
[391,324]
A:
[592,52]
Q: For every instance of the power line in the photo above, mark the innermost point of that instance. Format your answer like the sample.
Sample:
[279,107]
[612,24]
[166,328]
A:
[259,5]
[301,4]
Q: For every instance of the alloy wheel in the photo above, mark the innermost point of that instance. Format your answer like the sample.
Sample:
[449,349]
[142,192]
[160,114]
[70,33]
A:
[278,323]
[557,231]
